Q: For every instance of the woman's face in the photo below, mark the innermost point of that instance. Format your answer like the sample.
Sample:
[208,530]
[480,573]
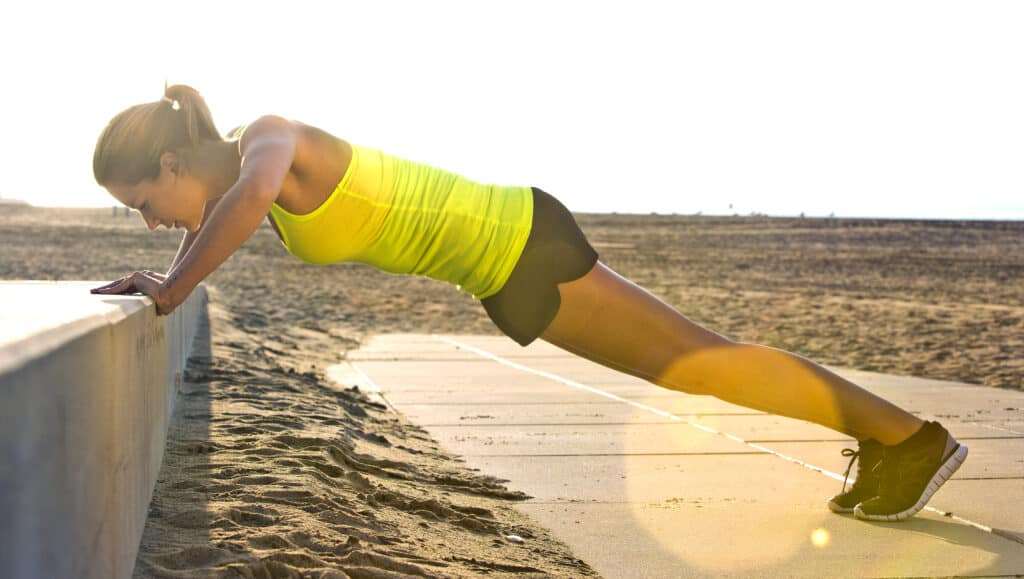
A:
[174,199]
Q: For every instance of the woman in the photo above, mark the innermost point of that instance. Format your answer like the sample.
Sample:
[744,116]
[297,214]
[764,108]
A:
[516,249]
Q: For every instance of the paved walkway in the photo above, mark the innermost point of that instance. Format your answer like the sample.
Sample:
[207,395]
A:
[642,481]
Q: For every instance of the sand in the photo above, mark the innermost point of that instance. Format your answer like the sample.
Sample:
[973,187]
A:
[271,470]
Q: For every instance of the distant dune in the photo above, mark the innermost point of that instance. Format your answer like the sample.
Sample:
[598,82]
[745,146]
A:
[12,201]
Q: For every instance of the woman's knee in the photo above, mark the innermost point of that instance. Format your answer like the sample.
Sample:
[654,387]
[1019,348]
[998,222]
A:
[702,369]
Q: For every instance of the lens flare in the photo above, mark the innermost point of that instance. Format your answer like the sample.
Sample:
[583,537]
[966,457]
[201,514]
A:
[820,537]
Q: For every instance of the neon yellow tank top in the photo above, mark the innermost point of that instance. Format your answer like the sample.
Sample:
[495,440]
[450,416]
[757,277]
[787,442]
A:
[409,218]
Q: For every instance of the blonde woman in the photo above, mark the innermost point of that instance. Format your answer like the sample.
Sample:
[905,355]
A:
[516,249]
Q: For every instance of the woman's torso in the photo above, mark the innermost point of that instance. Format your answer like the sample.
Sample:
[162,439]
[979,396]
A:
[319,163]
[344,202]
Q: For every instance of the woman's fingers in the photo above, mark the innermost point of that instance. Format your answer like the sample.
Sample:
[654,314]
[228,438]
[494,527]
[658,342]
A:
[155,275]
[145,282]
[111,287]
[151,284]
[130,284]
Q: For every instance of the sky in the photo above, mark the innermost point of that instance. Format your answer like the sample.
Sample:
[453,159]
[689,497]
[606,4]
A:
[858,109]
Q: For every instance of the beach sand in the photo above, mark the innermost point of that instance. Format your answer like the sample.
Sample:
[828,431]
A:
[271,470]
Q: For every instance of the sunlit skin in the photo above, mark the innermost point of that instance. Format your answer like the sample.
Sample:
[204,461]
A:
[219,192]
[603,316]
[608,319]
[180,193]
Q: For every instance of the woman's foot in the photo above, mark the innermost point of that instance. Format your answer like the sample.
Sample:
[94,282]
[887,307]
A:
[911,472]
[868,455]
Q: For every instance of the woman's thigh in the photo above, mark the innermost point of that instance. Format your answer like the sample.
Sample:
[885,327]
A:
[612,321]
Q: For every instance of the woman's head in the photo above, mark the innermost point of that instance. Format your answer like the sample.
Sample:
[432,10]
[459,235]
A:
[145,154]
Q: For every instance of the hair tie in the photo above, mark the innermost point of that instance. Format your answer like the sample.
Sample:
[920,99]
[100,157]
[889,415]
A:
[174,103]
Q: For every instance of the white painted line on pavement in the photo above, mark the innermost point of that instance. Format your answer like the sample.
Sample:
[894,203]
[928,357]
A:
[999,428]
[677,418]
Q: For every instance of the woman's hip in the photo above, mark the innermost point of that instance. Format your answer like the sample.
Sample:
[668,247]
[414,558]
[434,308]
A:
[556,251]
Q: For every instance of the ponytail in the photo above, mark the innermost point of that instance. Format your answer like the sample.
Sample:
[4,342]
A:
[128,149]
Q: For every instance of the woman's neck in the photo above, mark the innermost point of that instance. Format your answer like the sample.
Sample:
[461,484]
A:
[217,163]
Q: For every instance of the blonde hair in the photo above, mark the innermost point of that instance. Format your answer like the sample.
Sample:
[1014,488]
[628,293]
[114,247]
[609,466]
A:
[129,147]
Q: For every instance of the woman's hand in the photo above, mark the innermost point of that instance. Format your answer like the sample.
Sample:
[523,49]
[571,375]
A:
[145,282]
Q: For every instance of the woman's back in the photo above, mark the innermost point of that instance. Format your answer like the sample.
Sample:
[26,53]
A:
[400,216]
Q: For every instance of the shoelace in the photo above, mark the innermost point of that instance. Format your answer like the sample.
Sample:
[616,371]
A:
[853,454]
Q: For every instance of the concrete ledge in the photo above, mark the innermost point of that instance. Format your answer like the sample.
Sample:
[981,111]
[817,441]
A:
[87,387]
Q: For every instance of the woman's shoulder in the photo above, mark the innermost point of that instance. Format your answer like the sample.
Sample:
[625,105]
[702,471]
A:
[319,160]
[312,143]
[265,121]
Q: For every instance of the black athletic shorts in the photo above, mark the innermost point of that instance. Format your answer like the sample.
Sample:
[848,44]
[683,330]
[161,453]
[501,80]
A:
[556,251]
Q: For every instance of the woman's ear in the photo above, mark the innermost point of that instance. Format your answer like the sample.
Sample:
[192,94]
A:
[171,162]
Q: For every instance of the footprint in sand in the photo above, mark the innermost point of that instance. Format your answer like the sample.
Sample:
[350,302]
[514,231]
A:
[270,542]
[193,557]
[252,516]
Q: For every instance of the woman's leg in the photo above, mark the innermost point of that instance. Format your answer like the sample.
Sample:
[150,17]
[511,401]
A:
[610,320]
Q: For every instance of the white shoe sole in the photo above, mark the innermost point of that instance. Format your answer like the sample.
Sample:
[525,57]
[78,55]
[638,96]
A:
[835,507]
[941,476]
[838,509]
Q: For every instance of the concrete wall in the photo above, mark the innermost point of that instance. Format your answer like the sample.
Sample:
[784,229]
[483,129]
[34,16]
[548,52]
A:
[87,387]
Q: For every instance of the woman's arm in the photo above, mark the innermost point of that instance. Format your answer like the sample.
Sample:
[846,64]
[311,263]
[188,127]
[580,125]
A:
[267,153]
[189,238]
[186,242]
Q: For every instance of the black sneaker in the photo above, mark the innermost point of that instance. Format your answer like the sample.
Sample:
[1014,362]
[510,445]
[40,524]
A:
[866,485]
[910,473]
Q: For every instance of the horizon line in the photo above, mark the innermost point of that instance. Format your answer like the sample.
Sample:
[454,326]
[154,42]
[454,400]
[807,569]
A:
[756,214]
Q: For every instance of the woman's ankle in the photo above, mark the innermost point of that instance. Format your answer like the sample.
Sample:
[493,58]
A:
[903,436]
